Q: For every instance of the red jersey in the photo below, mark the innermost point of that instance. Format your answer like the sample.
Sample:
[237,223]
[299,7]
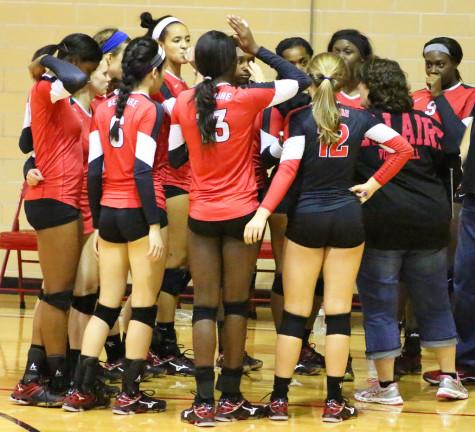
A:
[97,101]
[223,184]
[172,86]
[56,132]
[85,118]
[140,127]
[461,98]
[349,101]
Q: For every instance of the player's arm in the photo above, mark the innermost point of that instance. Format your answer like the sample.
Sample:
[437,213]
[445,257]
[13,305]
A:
[94,173]
[25,141]
[292,153]
[454,128]
[145,150]
[177,153]
[271,137]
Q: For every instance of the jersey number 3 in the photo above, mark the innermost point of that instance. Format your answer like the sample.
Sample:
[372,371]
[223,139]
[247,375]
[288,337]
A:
[222,128]
[339,150]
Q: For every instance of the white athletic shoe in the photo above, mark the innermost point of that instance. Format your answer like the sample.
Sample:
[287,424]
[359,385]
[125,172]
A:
[377,394]
[451,389]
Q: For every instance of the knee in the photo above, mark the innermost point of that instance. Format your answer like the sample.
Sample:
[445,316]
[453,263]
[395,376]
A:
[61,300]
[107,314]
[145,315]
[236,308]
[175,281]
[339,324]
[293,325]
[204,313]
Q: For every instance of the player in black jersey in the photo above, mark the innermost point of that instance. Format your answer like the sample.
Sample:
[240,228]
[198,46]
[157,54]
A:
[407,233]
[325,230]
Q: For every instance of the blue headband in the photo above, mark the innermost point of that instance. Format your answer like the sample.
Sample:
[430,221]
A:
[114,41]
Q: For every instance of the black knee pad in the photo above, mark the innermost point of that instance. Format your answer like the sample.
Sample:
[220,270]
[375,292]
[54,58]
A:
[85,304]
[338,324]
[292,325]
[204,313]
[145,315]
[277,286]
[319,287]
[41,294]
[107,314]
[175,281]
[237,308]
[61,300]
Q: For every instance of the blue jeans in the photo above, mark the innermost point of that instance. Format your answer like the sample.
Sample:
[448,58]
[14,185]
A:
[425,274]
[464,285]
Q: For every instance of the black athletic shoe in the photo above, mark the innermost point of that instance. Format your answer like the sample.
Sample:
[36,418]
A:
[277,409]
[36,394]
[200,414]
[139,404]
[335,412]
[229,410]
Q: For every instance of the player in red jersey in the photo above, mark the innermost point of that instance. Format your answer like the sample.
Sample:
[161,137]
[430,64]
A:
[354,48]
[223,198]
[52,208]
[128,207]
[449,101]
[325,230]
[174,36]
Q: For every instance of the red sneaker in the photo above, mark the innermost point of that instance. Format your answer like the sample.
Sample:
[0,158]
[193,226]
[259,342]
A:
[142,403]
[36,394]
[277,409]
[200,414]
[76,401]
[335,412]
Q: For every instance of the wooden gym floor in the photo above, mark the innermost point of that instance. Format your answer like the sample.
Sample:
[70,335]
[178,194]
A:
[421,412]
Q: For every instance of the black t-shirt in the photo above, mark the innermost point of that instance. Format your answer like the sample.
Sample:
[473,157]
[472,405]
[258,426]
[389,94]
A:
[412,211]
[468,182]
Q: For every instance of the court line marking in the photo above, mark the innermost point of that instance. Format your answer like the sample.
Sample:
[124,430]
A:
[19,423]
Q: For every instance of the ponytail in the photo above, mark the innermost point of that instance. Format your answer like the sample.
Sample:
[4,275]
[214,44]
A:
[205,106]
[328,73]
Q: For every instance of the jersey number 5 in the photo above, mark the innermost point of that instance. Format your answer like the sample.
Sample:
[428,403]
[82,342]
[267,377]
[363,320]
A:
[339,150]
[222,128]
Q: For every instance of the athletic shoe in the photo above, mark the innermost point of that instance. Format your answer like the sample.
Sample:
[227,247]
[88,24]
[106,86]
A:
[407,364]
[336,412]
[200,414]
[451,389]
[155,365]
[433,377]
[248,363]
[349,374]
[309,353]
[229,410]
[139,404]
[277,409]
[382,395]
[76,401]
[180,365]
[36,394]
[113,371]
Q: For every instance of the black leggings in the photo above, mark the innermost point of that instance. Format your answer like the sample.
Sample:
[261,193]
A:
[227,263]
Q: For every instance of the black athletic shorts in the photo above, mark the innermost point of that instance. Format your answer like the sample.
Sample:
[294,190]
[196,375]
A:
[125,225]
[48,213]
[173,191]
[231,227]
[341,228]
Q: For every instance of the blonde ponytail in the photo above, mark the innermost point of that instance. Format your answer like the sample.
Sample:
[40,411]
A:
[328,72]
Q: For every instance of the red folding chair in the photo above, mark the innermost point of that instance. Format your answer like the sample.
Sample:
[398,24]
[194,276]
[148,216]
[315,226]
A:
[17,240]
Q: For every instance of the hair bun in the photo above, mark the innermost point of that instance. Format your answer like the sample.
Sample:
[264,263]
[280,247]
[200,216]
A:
[146,20]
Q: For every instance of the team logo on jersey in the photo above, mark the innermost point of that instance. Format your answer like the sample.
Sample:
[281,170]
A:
[339,150]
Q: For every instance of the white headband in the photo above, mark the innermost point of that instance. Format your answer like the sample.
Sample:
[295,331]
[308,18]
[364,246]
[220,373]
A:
[158,30]
[437,47]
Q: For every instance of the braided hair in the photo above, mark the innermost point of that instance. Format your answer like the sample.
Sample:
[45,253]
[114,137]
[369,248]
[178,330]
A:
[138,61]
[215,55]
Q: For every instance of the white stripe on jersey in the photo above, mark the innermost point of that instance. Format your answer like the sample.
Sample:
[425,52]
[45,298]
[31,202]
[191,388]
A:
[293,148]
[145,148]
[175,138]
[285,89]
[467,120]
[58,91]
[27,118]
[381,133]
[95,146]
[268,140]
[168,105]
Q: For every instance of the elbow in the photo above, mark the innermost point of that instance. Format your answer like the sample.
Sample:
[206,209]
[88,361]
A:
[304,82]
[76,82]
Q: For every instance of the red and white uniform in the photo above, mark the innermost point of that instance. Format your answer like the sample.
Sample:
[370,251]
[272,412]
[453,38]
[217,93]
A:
[85,118]
[56,131]
[138,141]
[223,182]
[460,97]
[349,101]
[172,86]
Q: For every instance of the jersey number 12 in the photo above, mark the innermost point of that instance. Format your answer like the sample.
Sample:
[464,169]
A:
[339,150]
